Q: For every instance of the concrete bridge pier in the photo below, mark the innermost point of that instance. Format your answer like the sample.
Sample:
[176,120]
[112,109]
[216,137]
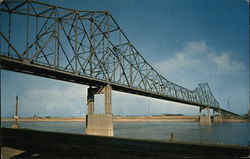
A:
[99,124]
[205,120]
[217,118]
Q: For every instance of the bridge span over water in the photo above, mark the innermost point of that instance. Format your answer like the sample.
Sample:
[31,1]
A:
[86,47]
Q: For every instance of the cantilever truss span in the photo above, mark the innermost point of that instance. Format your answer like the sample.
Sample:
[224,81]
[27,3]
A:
[86,47]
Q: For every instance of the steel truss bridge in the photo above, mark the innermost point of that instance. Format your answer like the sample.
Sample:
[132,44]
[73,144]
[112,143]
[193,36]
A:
[85,47]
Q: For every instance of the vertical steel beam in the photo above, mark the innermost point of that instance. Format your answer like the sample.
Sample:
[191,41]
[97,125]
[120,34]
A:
[27,30]
[9,33]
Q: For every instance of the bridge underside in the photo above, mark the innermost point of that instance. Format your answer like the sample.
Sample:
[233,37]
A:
[44,71]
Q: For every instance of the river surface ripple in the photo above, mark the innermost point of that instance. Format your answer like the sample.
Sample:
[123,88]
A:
[233,133]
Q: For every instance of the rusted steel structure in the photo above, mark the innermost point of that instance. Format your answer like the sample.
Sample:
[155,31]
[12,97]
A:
[86,47]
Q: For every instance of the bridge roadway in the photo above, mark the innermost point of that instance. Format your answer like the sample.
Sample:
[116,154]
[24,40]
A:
[28,67]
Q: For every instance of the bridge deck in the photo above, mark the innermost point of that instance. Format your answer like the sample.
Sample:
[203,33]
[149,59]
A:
[44,71]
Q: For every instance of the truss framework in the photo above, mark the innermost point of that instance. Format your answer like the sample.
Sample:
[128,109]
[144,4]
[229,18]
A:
[85,43]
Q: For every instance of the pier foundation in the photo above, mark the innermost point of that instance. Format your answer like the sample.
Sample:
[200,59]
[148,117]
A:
[217,118]
[100,124]
[205,119]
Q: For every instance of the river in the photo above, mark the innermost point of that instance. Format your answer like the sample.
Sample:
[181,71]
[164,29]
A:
[233,133]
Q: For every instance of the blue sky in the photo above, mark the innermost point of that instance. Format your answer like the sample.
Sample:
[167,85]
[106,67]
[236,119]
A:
[187,41]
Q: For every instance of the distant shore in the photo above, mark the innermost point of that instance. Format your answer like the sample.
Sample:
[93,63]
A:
[126,119]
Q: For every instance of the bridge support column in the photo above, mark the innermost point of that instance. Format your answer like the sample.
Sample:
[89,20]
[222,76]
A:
[205,120]
[218,118]
[100,124]
[91,99]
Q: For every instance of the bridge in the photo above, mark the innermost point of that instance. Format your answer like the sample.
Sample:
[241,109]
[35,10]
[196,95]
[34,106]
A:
[87,47]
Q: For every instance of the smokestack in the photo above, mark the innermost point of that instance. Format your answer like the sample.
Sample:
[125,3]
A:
[16,125]
[16,106]
[16,114]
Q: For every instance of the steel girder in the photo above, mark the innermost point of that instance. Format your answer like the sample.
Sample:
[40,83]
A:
[89,44]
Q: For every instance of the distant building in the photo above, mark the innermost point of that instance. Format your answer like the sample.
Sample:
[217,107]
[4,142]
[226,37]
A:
[173,114]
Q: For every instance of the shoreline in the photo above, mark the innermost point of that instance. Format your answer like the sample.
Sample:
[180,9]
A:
[54,144]
[124,119]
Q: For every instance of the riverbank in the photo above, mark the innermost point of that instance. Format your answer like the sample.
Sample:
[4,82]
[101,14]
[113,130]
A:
[156,118]
[26,143]
[116,118]
[127,119]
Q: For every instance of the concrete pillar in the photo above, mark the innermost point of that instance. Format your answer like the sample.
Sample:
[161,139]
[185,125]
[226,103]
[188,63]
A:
[208,113]
[90,100]
[100,124]
[205,120]
[108,100]
[249,114]
[218,118]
